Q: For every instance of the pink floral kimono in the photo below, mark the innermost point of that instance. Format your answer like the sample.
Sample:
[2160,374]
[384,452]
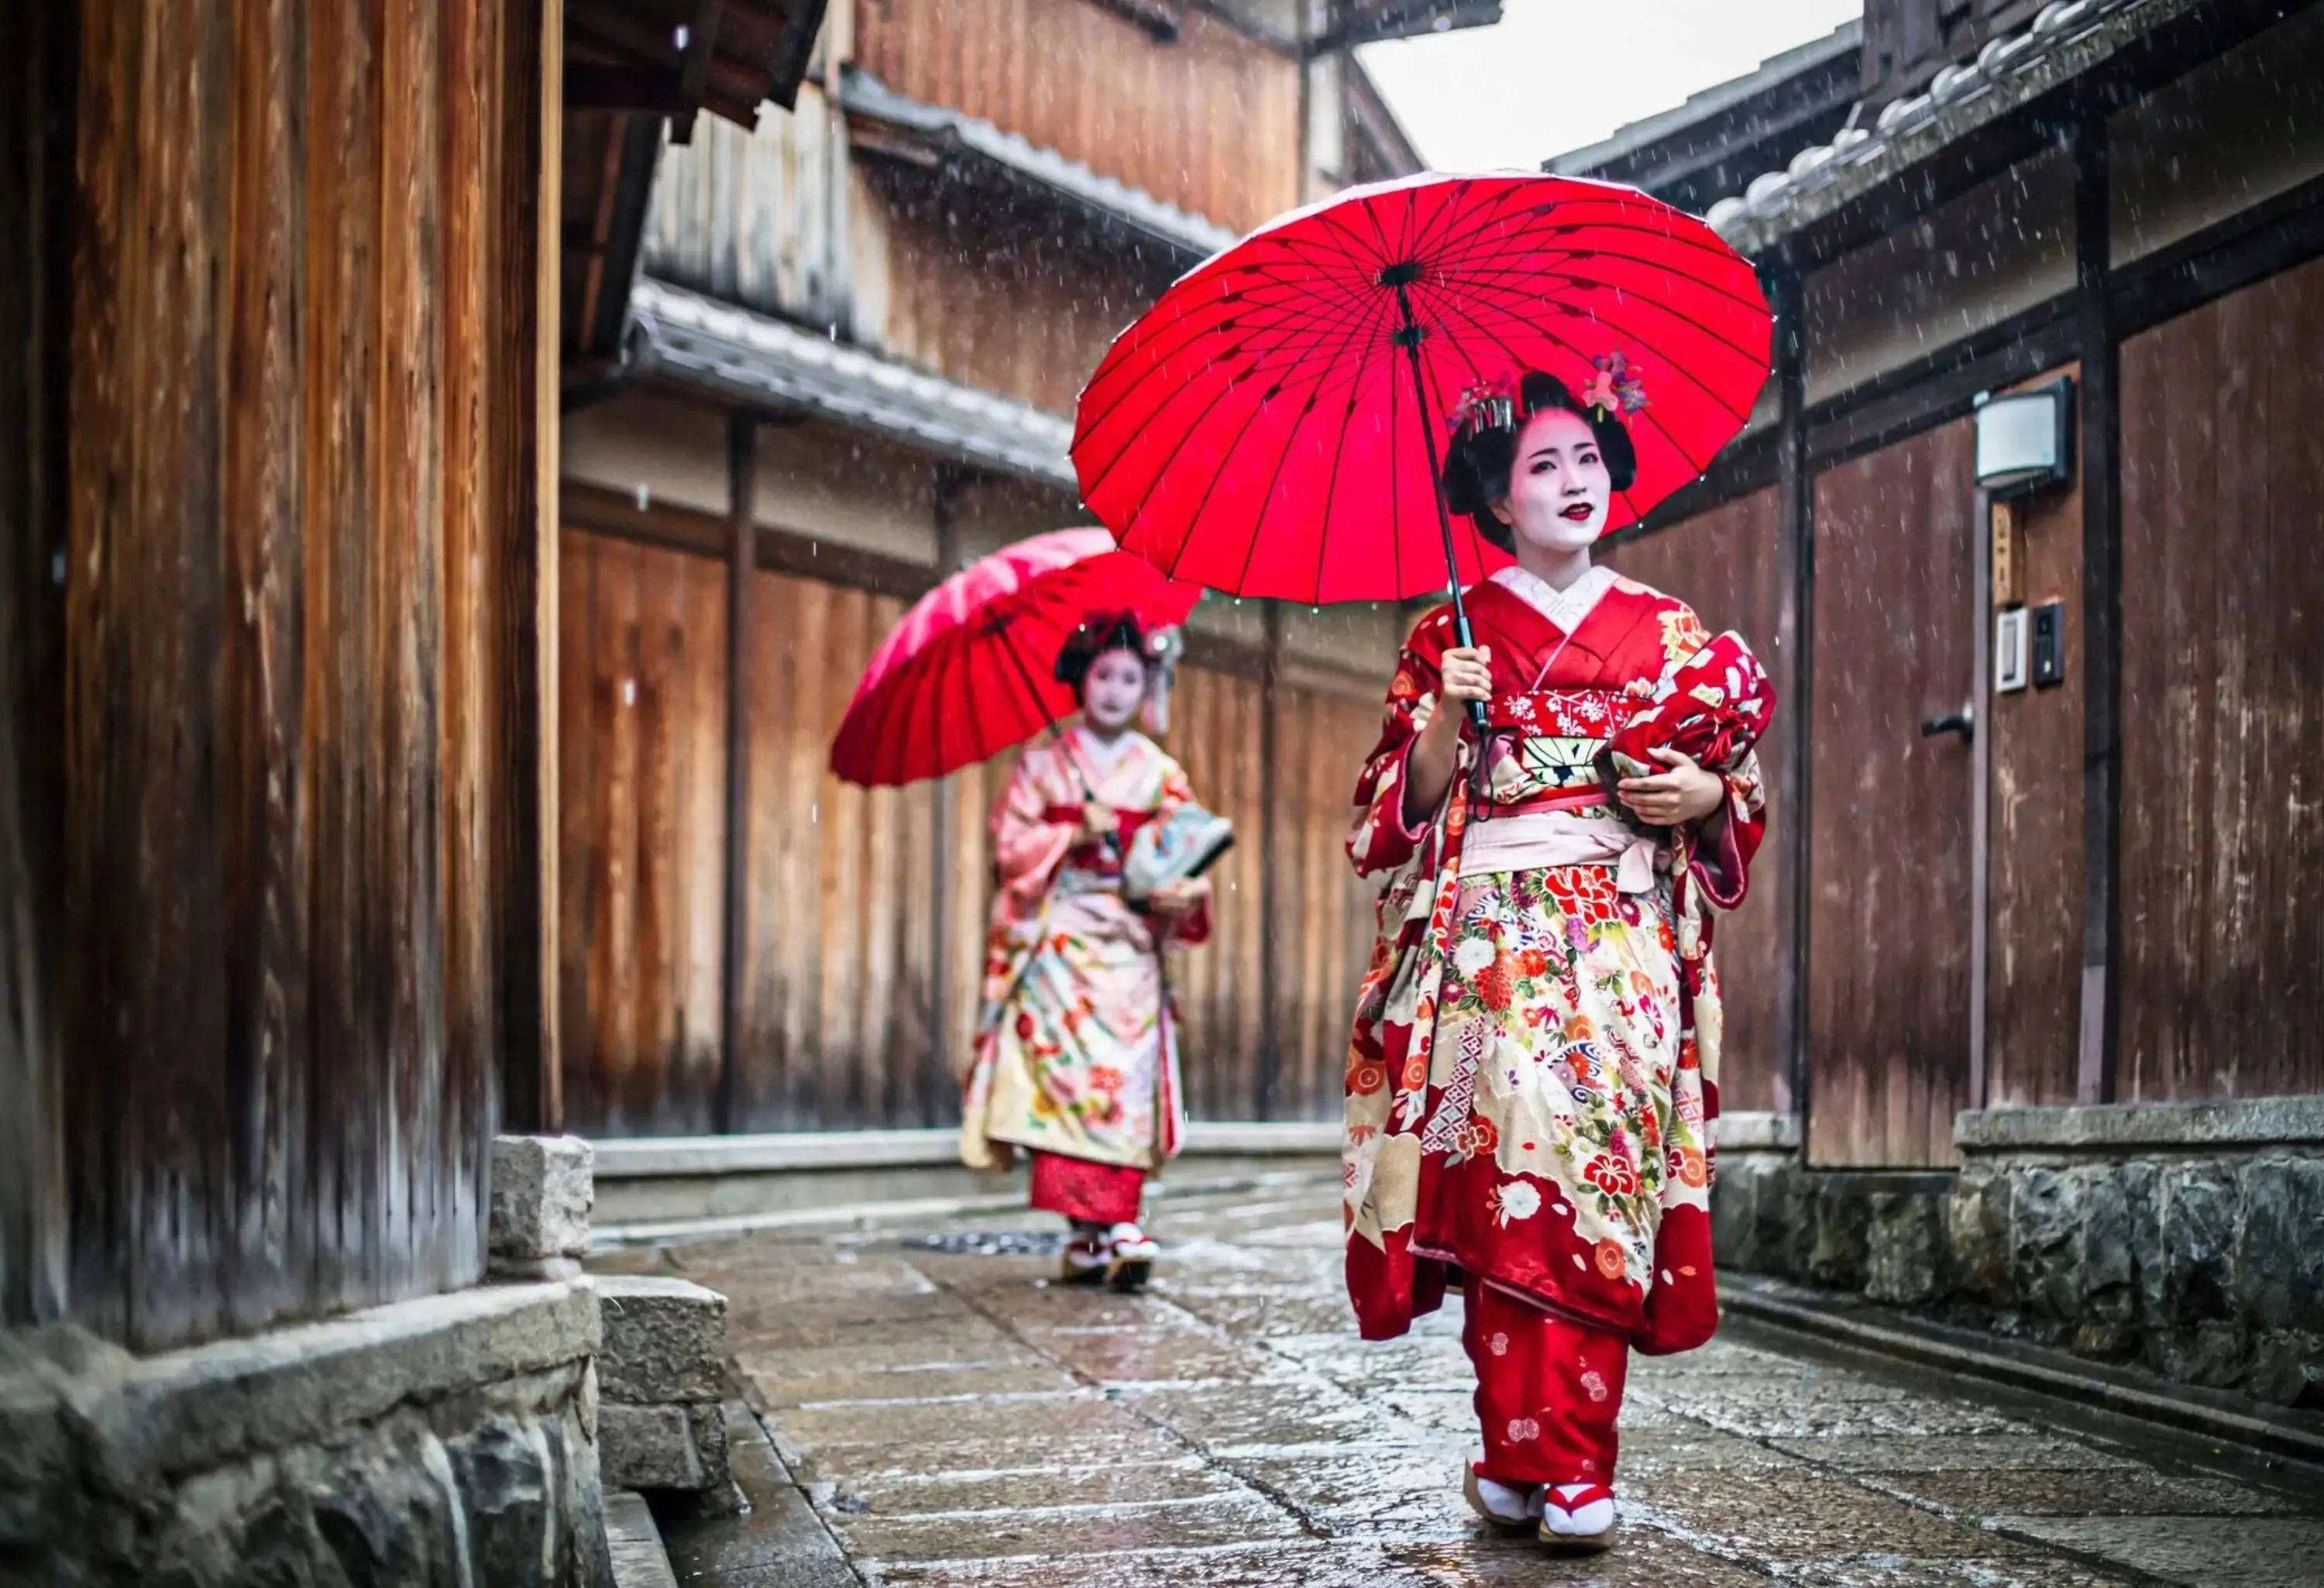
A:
[1532,1080]
[1077,1057]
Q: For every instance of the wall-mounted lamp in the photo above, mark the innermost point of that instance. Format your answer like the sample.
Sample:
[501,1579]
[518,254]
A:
[2025,440]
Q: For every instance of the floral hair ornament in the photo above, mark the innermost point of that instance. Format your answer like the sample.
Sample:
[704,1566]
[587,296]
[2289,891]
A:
[1614,390]
[1488,405]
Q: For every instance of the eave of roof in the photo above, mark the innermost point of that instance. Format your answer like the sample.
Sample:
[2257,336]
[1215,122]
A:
[1716,100]
[2069,39]
[750,358]
[862,95]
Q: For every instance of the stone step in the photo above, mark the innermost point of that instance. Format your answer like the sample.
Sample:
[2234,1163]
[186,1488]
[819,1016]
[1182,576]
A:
[635,1542]
[779,1540]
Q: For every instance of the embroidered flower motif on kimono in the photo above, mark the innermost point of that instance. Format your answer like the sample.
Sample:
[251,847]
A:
[1687,1167]
[1495,987]
[1474,955]
[1611,1176]
[1683,634]
[1498,1345]
[1524,1430]
[1611,1262]
[1593,1385]
[1478,1138]
[1514,1201]
[1105,1078]
[1366,1078]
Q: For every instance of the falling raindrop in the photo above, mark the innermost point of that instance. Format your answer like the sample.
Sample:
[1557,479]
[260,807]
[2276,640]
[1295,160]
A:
[644,497]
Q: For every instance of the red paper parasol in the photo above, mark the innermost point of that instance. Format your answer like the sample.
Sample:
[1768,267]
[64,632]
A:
[1271,426]
[970,671]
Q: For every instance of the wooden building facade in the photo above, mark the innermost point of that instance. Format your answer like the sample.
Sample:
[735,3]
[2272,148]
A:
[847,363]
[278,559]
[2104,887]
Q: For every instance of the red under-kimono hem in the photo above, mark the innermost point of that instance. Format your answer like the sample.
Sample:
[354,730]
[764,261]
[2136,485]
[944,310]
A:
[1095,1193]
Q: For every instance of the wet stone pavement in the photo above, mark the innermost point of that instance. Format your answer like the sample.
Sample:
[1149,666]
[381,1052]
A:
[952,1418]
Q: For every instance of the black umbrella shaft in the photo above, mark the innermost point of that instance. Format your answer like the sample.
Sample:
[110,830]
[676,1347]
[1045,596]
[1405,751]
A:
[1460,630]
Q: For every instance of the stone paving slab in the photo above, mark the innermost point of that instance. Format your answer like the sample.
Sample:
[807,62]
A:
[2242,1552]
[950,1418]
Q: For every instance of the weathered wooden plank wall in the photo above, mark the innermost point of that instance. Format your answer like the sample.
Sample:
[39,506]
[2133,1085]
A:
[1890,920]
[994,299]
[841,957]
[758,216]
[1325,916]
[868,910]
[642,657]
[1210,124]
[1214,733]
[285,731]
[37,77]
[2223,696]
[2033,969]
[1727,564]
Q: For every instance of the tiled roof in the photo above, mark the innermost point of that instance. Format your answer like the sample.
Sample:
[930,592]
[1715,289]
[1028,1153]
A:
[862,94]
[748,357]
[1775,72]
[2067,39]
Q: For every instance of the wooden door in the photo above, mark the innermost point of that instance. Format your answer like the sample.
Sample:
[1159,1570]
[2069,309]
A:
[1889,852]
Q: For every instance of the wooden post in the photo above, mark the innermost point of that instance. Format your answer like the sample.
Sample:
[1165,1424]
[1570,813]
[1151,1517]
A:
[525,419]
[2101,431]
[1992,565]
[1795,491]
[741,568]
[1270,889]
[39,65]
[937,1081]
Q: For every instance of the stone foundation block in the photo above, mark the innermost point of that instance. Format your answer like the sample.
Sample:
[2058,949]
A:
[1752,1209]
[664,1342]
[444,1442]
[1836,1228]
[663,1446]
[2196,1281]
[2280,1267]
[1977,1235]
[542,1191]
[1904,1248]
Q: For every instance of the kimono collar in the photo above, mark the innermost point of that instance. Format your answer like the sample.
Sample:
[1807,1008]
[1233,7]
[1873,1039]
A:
[1101,758]
[1566,608]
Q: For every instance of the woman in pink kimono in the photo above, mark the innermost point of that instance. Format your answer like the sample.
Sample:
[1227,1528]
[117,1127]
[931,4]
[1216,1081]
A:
[1531,1084]
[1077,1055]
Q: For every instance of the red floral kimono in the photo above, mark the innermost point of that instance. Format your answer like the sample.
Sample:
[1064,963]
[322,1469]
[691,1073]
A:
[1532,1079]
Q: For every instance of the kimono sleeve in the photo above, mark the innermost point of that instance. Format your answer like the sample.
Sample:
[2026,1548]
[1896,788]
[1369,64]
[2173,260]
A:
[1194,930]
[1027,846]
[1379,839]
[1724,702]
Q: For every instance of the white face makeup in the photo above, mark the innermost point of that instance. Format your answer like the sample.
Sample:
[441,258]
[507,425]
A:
[1559,488]
[1114,691]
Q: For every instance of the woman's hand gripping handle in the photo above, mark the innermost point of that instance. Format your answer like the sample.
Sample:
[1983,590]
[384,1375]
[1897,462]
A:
[1465,682]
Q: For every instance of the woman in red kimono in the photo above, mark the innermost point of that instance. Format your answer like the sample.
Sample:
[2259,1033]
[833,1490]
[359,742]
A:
[1077,1054]
[1531,1084]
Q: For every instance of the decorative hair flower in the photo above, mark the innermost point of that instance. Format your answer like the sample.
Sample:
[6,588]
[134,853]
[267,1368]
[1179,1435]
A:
[1614,388]
[1488,405]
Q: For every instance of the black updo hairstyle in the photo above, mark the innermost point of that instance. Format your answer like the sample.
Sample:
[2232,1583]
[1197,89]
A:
[1098,633]
[1478,466]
